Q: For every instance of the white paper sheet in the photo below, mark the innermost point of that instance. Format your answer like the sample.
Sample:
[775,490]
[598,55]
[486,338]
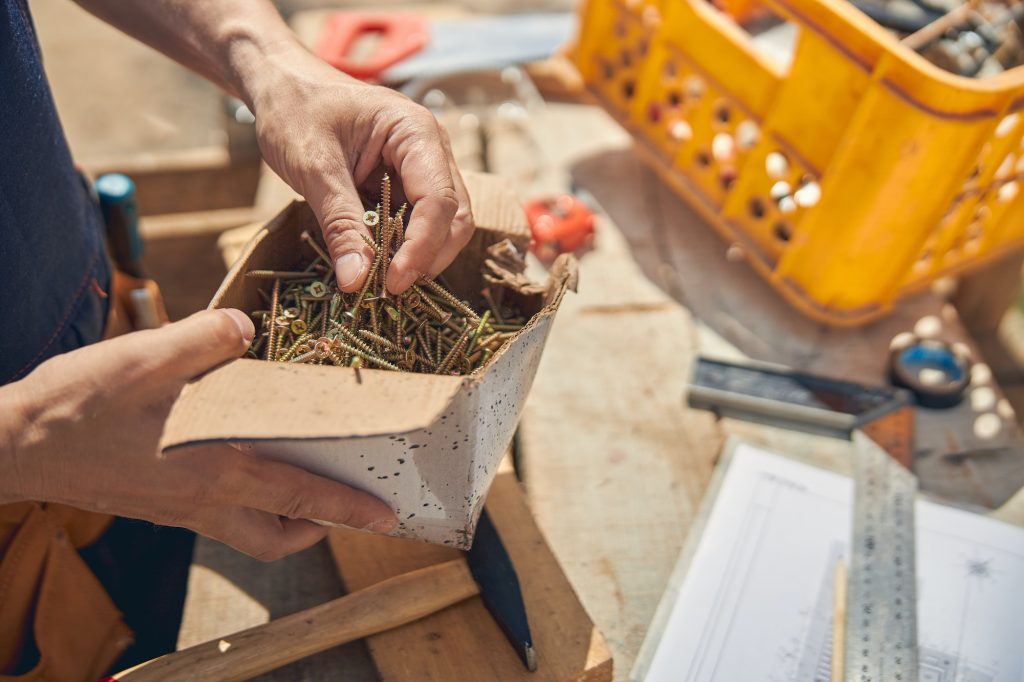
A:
[756,602]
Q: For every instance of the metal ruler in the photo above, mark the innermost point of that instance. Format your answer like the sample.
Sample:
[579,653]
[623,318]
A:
[880,641]
[881,607]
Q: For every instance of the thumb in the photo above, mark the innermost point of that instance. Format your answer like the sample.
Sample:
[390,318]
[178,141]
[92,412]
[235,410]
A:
[199,343]
[334,199]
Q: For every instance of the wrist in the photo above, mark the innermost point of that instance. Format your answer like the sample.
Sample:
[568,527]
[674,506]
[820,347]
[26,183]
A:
[14,426]
[257,64]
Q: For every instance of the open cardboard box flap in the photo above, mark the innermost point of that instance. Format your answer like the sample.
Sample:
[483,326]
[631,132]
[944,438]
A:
[448,432]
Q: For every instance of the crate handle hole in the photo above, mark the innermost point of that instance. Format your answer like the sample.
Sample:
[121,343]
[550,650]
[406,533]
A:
[808,194]
[653,112]
[780,190]
[747,134]
[756,207]
[727,176]
[722,112]
[776,165]
[680,131]
[723,148]
[1007,192]
[1007,167]
[695,87]
[1007,125]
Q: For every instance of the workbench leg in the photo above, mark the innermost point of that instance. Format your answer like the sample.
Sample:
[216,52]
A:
[984,296]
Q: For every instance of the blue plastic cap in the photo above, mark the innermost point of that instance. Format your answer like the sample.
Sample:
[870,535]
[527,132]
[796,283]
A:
[114,188]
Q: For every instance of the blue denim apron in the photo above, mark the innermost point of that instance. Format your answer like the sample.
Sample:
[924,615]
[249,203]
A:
[54,270]
[54,275]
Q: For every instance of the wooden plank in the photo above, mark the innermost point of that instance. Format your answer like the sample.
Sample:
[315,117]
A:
[181,255]
[202,179]
[464,642]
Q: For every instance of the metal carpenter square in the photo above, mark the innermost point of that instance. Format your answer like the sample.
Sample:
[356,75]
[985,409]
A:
[881,627]
[777,395]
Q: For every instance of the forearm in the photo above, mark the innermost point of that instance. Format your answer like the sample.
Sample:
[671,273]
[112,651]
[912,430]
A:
[329,136]
[230,42]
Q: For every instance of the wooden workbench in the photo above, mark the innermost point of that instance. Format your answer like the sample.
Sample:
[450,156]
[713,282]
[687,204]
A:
[613,461]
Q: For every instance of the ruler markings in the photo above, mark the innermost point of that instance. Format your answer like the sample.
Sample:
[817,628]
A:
[881,638]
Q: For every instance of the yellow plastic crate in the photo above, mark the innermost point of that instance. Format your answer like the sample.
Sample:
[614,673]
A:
[856,175]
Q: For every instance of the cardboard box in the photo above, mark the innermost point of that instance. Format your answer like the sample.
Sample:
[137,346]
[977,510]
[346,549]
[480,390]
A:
[428,445]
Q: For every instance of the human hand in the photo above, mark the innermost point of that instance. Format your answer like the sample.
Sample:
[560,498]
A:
[83,429]
[331,137]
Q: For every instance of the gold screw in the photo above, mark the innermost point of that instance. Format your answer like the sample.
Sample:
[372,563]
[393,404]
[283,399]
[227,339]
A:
[308,238]
[310,321]
[280,274]
[271,348]
[454,354]
[449,297]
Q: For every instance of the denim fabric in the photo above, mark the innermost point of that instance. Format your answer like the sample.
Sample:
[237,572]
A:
[54,273]
[53,263]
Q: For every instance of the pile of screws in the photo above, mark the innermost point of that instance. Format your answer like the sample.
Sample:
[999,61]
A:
[426,329]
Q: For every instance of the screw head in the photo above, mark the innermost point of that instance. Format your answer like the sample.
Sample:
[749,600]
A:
[298,327]
[322,348]
[317,289]
[370,219]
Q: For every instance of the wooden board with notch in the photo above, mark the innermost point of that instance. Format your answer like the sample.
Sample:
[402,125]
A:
[464,643]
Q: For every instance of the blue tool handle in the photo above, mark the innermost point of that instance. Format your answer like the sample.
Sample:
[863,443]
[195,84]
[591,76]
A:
[116,194]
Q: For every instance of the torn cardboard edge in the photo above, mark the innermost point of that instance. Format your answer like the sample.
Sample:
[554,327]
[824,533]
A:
[444,434]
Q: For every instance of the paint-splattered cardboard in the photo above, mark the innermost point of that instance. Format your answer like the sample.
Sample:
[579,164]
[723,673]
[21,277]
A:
[427,445]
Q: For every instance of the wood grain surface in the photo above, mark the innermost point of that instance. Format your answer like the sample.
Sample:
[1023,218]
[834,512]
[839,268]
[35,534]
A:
[464,643]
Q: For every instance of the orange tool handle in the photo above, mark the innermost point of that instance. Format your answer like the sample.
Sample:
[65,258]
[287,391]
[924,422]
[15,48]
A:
[399,36]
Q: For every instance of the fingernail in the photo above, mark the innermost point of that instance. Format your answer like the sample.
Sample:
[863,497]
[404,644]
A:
[245,325]
[349,267]
[385,525]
